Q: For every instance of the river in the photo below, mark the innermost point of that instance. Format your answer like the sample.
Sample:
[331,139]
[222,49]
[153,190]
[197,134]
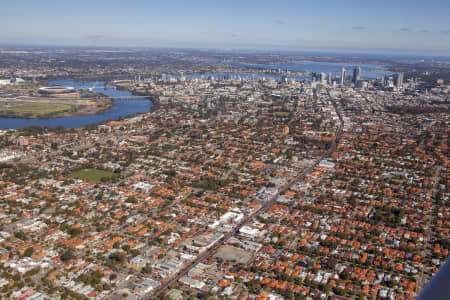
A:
[368,71]
[123,107]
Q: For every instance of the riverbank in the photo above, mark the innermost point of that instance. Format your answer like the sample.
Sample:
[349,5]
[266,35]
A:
[54,108]
[116,104]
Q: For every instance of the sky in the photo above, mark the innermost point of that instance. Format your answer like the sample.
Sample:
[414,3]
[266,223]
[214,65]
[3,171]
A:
[413,26]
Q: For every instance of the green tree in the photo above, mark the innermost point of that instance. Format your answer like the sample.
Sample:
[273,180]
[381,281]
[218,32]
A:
[67,255]
[28,252]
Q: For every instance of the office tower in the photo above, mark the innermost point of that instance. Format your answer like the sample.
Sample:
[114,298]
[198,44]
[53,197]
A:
[356,74]
[399,80]
[323,78]
[342,76]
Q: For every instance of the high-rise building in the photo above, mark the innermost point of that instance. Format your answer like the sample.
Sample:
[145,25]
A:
[323,78]
[399,80]
[342,76]
[356,74]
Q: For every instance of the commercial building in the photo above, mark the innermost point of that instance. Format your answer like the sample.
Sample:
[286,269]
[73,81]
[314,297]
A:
[356,74]
[342,76]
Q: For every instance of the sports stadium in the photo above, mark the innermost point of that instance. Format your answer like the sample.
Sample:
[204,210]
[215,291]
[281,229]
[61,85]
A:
[53,90]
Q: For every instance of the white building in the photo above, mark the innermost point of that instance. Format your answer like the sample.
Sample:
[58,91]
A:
[5,81]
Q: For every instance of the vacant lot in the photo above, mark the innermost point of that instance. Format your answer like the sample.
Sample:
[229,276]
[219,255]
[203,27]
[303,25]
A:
[234,254]
[34,109]
[92,175]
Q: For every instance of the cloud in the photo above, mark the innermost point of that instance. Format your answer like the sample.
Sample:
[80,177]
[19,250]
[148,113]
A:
[358,27]
[435,32]
[234,35]
[280,22]
[95,38]
[404,29]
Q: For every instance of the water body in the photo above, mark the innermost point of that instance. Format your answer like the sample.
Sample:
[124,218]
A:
[243,76]
[122,108]
[368,71]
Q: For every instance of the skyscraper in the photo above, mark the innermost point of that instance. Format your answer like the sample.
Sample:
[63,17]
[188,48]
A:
[356,74]
[399,80]
[323,78]
[342,76]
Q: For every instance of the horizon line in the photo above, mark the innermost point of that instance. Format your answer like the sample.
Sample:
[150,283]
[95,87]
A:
[321,51]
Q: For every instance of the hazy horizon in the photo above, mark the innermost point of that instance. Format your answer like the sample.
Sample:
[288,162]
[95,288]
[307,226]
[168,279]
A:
[368,53]
[384,27]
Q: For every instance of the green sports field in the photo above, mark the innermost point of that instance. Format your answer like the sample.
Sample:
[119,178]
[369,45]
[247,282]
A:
[34,109]
[92,175]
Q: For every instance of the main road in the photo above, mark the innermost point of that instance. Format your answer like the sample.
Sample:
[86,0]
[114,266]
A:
[426,251]
[166,285]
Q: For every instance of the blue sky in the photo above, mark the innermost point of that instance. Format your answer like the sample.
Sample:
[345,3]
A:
[341,25]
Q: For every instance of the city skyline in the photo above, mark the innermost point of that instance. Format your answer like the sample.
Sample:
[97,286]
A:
[381,27]
[157,167]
